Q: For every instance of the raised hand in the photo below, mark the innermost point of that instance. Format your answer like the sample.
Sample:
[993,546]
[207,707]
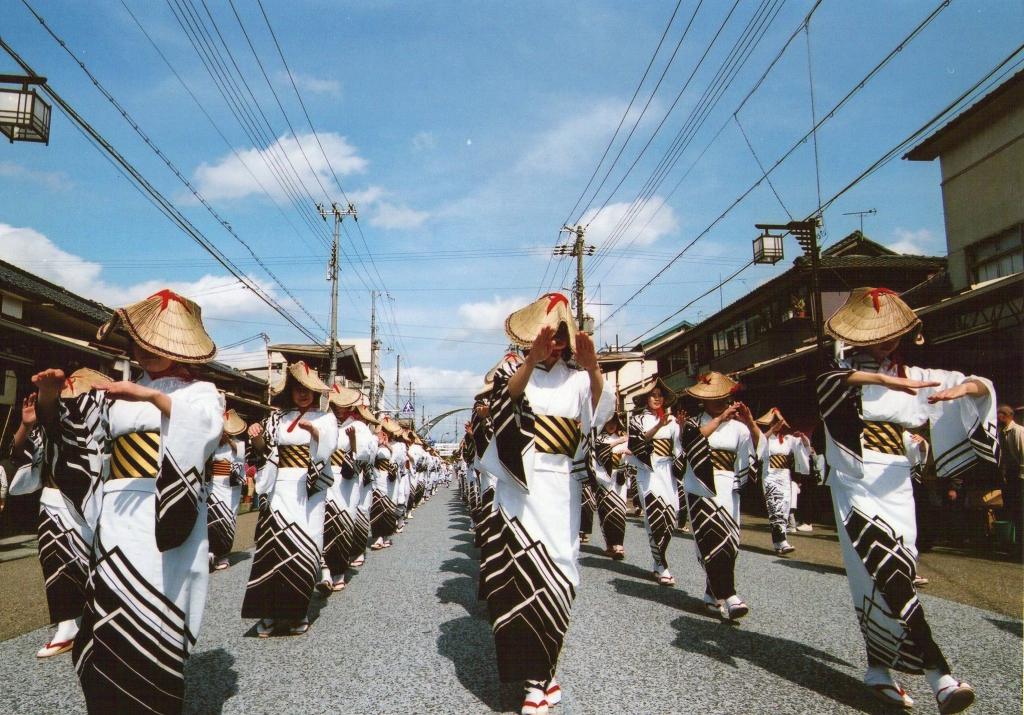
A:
[127,391]
[255,430]
[309,427]
[905,384]
[28,411]
[586,355]
[542,346]
[964,389]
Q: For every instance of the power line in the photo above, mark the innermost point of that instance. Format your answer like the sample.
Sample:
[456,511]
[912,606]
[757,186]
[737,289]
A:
[158,199]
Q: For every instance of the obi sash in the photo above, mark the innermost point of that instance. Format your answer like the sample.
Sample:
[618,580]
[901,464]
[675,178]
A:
[556,435]
[135,455]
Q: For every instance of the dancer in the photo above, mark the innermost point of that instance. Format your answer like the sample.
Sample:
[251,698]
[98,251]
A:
[227,473]
[653,442]
[541,408]
[149,567]
[724,448]
[788,454]
[67,512]
[611,449]
[294,447]
[339,524]
[383,513]
[868,401]
[362,488]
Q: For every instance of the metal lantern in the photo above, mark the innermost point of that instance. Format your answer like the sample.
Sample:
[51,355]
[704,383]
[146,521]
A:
[24,116]
[768,248]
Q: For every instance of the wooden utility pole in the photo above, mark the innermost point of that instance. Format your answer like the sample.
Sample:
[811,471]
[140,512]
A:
[577,249]
[374,350]
[332,276]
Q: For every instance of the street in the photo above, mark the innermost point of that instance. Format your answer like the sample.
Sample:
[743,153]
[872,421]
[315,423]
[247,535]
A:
[409,636]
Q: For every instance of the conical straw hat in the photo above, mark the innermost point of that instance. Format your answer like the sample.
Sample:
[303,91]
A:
[277,386]
[366,416]
[489,377]
[670,396]
[340,396]
[233,423]
[551,310]
[769,417]
[165,324]
[81,381]
[713,386]
[307,377]
[392,427]
[870,316]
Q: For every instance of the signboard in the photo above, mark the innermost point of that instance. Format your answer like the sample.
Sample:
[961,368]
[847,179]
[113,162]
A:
[409,409]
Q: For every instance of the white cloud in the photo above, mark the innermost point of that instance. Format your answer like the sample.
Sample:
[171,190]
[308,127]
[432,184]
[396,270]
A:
[423,141]
[441,389]
[388,215]
[645,224]
[53,180]
[313,85]
[489,314]
[218,295]
[921,242]
[235,177]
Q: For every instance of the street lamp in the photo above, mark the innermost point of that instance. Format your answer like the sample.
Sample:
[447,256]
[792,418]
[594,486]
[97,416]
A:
[768,248]
[24,116]
[806,234]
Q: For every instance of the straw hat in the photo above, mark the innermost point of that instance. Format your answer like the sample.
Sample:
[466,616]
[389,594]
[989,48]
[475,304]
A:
[489,377]
[340,396]
[307,377]
[366,416]
[277,386]
[771,416]
[392,427]
[165,324]
[233,423]
[484,393]
[81,381]
[670,396]
[713,386]
[550,310]
[870,316]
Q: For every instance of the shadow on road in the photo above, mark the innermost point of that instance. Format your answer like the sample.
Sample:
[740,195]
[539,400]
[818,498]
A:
[210,681]
[671,597]
[623,568]
[796,662]
[817,568]
[1012,627]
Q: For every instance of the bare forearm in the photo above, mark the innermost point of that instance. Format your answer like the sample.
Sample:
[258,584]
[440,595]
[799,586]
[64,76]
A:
[596,386]
[20,437]
[517,383]
[162,402]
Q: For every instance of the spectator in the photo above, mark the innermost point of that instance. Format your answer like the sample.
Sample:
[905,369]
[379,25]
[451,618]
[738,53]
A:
[1011,465]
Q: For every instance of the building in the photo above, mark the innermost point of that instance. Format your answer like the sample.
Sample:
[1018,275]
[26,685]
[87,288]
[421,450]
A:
[766,338]
[349,365]
[973,311]
[364,351]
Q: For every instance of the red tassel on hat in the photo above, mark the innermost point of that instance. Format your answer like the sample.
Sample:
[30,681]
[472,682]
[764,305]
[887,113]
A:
[876,294]
[554,299]
[166,296]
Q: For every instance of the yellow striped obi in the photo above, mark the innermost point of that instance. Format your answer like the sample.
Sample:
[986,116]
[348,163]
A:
[556,435]
[338,458]
[662,447]
[135,455]
[616,460]
[780,461]
[723,460]
[293,455]
[221,468]
[884,437]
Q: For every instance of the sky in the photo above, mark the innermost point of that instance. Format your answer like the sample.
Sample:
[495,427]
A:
[463,133]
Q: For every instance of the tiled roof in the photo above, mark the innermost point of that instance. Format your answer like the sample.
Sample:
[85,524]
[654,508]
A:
[20,281]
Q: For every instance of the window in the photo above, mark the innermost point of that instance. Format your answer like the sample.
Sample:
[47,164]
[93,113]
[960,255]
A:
[997,256]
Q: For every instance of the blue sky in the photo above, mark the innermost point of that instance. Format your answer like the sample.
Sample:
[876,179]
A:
[464,132]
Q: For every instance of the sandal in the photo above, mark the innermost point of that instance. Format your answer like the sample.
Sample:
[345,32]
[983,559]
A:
[892,695]
[954,698]
[553,693]
[358,562]
[51,649]
[265,628]
[667,580]
[534,702]
[299,628]
[338,585]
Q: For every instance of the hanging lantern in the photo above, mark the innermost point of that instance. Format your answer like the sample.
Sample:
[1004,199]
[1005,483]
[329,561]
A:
[24,116]
[768,248]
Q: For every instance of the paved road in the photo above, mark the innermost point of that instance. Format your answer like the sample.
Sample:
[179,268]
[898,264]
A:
[408,636]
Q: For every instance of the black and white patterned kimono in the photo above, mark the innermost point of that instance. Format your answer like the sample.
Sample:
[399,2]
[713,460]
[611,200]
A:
[383,512]
[291,485]
[68,509]
[341,509]
[611,488]
[787,454]
[529,568]
[867,447]
[361,499]
[486,483]
[148,570]
[717,467]
[656,484]
[227,474]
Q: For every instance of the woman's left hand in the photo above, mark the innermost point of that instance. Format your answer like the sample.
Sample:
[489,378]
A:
[309,427]
[954,393]
[586,355]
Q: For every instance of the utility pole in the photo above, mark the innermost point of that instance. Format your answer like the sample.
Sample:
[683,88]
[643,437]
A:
[374,350]
[270,367]
[332,276]
[577,249]
[398,386]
